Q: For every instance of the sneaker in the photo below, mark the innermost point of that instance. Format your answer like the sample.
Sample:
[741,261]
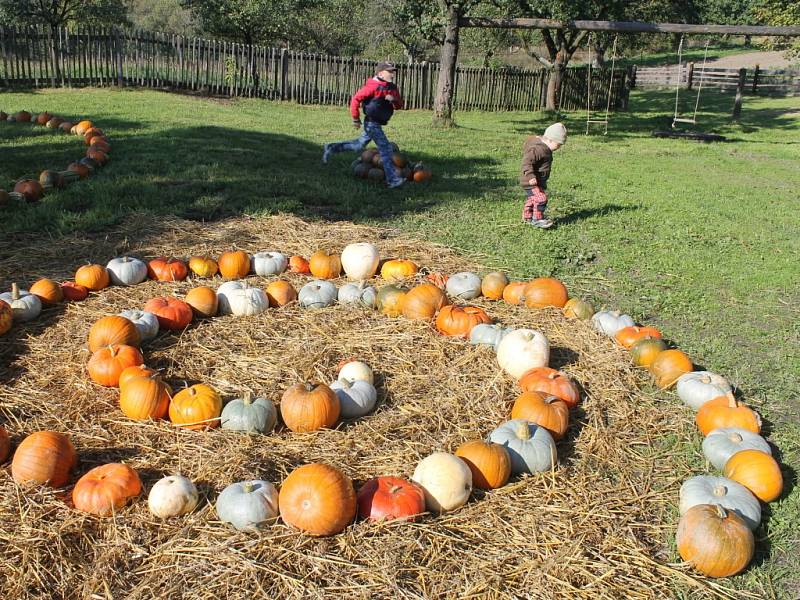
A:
[540,223]
[326,154]
[397,183]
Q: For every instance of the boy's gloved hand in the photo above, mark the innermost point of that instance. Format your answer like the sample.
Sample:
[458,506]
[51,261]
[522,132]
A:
[357,123]
[389,98]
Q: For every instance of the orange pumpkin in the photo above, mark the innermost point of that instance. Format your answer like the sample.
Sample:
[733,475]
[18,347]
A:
[32,190]
[668,366]
[280,293]
[716,541]
[82,127]
[134,372]
[49,291]
[44,457]
[758,472]
[143,398]
[423,174]
[163,269]
[99,157]
[6,317]
[514,292]
[203,266]
[99,143]
[545,410]
[107,364]
[23,116]
[459,320]
[423,301]
[318,499]
[389,301]
[398,269]
[308,407]
[725,411]
[234,264]
[325,266]
[172,313]
[438,279]
[82,170]
[106,489]
[196,407]
[298,264]
[489,462]
[43,118]
[575,308]
[628,336]
[93,277]
[644,351]
[5,444]
[90,133]
[74,292]
[493,285]
[203,300]
[545,291]
[111,330]
[551,382]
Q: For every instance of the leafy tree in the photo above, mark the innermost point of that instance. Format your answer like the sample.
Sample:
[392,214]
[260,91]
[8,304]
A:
[60,13]
[162,15]
[778,13]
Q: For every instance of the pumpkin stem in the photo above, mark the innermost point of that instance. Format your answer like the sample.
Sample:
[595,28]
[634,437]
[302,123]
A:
[14,291]
[705,379]
[731,400]
[247,399]
[248,487]
[720,491]
[550,399]
[346,383]
[553,375]
[309,386]
[112,350]
[394,489]
[523,431]
[721,512]
[736,438]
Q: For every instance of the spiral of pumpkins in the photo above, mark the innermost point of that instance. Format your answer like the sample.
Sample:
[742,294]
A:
[370,166]
[718,513]
[97,155]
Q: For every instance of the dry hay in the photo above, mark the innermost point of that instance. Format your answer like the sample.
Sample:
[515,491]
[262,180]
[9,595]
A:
[599,526]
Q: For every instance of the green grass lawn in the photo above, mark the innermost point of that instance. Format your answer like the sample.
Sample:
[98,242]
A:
[701,240]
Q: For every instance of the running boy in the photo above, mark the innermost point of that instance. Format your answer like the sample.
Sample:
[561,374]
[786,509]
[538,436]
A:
[537,159]
[379,98]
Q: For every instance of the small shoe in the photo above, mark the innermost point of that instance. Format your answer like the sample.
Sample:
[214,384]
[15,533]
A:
[396,184]
[540,223]
[326,154]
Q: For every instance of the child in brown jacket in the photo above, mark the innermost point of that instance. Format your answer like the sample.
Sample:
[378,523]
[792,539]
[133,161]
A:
[537,160]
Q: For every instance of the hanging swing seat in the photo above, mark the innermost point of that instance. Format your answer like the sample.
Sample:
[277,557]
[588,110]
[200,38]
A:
[698,136]
[683,120]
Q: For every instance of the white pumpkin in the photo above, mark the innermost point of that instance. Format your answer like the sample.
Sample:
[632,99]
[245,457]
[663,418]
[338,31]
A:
[485,334]
[238,298]
[355,370]
[126,270]
[698,387]
[24,305]
[248,504]
[522,350]
[146,322]
[530,447]
[464,285]
[706,489]
[317,294]
[720,444]
[358,293]
[356,398]
[446,481]
[253,415]
[610,322]
[269,263]
[173,496]
[360,260]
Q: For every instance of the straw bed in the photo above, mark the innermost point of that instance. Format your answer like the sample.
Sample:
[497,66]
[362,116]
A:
[599,526]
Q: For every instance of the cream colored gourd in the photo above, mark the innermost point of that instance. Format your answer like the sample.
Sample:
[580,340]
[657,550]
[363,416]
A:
[464,285]
[356,370]
[698,387]
[317,294]
[446,481]
[248,504]
[146,323]
[24,305]
[269,263]
[173,496]
[358,293]
[126,270]
[356,398]
[720,444]
[706,489]
[239,299]
[523,350]
[360,261]
[610,322]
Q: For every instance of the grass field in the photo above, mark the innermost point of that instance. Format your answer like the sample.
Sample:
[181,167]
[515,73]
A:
[701,240]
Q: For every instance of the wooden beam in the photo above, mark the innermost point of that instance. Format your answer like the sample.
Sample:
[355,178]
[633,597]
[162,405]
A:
[629,26]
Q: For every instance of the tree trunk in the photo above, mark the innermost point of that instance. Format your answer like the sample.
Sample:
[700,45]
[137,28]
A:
[445,87]
[598,56]
[554,81]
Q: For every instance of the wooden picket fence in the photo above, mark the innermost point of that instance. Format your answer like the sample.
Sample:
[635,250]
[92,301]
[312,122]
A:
[39,57]
[785,82]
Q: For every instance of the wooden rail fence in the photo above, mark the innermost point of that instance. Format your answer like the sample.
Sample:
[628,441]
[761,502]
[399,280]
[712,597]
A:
[41,57]
[785,82]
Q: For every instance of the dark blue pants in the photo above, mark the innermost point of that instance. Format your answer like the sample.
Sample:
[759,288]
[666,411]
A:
[372,131]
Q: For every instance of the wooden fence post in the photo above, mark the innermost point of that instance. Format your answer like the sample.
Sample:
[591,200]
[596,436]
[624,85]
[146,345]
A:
[755,80]
[689,76]
[632,76]
[284,72]
[118,50]
[737,103]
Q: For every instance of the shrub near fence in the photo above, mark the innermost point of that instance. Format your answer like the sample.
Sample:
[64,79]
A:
[37,57]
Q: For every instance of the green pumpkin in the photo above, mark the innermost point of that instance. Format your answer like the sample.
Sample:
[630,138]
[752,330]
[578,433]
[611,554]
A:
[51,179]
[69,177]
[252,415]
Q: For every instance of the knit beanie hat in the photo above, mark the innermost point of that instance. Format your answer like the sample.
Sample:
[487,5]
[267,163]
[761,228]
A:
[556,132]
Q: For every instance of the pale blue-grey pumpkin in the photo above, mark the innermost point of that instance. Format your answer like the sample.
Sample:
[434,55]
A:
[248,504]
[464,285]
[698,387]
[610,322]
[146,322]
[720,444]
[707,489]
[356,398]
[269,263]
[253,415]
[485,334]
[126,270]
[358,293]
[24,305]
[317,294]
[530,447]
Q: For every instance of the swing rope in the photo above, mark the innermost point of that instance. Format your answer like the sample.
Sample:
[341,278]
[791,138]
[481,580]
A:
[589,119]
[675,117]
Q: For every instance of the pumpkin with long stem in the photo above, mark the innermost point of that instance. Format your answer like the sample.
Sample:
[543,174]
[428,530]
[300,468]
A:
[24,305]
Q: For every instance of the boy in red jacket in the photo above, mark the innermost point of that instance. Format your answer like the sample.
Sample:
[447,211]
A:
[379,98]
